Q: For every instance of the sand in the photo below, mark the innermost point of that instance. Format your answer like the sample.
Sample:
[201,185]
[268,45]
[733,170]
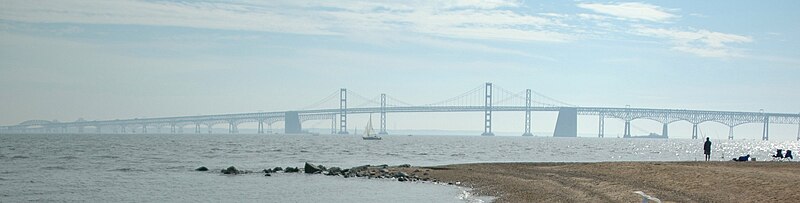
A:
[616,181]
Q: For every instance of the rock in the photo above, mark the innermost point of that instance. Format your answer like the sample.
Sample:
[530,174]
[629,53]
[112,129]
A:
[231,170]
[291,170]
[333,171]
[404,166]
[400,175]
[402,179]
[310,168]
[202,168]
[268,171]
[384,171]
[322,168]
[267,174]
[276,169]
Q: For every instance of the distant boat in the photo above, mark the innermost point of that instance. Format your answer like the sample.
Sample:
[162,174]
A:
[369,133]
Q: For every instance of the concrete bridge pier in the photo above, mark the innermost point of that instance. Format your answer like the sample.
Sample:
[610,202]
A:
[730,132]
[601,126]
[144,129]
[665,130]
[172,128]
[694,131]
[292,123]
[197,128]
[260,126]
[627,130]
[765,135]
[567,123]
[232,128]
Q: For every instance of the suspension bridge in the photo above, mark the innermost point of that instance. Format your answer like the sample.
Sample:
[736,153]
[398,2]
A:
[486,98]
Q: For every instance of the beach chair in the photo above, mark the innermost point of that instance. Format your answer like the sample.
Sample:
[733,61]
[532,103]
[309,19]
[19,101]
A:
[778,155]
[788,155]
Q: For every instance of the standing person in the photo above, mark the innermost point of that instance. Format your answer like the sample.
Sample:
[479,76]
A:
[707,149]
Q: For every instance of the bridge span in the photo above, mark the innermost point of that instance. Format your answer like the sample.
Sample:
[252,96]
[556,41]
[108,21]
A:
[566,125]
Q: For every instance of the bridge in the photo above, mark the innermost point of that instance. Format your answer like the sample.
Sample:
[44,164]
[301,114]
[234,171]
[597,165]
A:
[486,98]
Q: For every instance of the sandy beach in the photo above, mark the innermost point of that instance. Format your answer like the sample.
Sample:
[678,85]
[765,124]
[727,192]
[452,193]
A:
[616,181]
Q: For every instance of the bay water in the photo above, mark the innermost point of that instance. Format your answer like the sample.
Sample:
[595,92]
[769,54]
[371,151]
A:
[160,168]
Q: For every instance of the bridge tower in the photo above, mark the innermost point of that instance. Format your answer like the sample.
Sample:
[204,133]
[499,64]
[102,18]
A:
[172,128]
[333,124]
[487,110]
[765,135]
[601,126]
[197,128]
[343,111]
[527,113]
[694,131]
[383,115]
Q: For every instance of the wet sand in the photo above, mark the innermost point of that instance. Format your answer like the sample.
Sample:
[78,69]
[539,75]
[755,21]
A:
[616,181]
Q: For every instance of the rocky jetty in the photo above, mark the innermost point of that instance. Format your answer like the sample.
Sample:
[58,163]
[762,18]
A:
[400,173]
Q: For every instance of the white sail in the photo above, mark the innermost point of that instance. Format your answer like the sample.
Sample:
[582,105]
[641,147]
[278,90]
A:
[369,133]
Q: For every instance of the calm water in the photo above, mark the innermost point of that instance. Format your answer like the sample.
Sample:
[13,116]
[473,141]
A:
[158,168]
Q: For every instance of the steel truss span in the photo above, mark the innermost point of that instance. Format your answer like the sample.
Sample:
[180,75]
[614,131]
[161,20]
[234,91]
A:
[486,98]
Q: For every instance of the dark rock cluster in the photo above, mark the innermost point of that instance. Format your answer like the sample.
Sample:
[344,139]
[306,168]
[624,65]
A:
[400,173]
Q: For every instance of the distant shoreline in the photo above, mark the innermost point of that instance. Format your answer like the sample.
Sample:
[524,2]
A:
[716,181]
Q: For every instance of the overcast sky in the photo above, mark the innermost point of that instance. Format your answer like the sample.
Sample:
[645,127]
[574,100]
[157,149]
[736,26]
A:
[99,59]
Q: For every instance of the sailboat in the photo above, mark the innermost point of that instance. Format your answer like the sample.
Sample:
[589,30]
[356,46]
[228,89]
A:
[369,133]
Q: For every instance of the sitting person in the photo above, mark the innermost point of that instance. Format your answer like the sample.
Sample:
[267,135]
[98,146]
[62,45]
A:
[742,158]
[788,154]
[778,154]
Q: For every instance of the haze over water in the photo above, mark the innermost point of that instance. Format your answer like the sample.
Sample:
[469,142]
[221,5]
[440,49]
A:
[135,168]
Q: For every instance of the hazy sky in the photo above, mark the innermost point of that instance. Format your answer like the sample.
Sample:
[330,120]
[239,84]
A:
[104,59]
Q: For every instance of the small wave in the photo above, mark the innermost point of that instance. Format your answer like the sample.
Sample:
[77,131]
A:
[68,157]
[53,168]
[108,157]
[19,157]
[392,154]
[127,170]
[423,154]
[304,151]
[459,154]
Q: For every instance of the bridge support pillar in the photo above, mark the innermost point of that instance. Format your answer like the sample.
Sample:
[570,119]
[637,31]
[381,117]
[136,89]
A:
[292,123]
[730,133]
[567,123]
[383,115]
[694,131]
[527,113]
[261,127]
[601,126]
[627,133]
[487,119]
[333,124]
[172,128]
[343,111]
[122,129]
[665,130]
[232,128]
[197,128]
[765,135]
[144,129]
[627,130]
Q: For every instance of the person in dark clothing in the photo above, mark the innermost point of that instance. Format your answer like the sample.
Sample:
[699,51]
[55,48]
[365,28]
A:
[707,149]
